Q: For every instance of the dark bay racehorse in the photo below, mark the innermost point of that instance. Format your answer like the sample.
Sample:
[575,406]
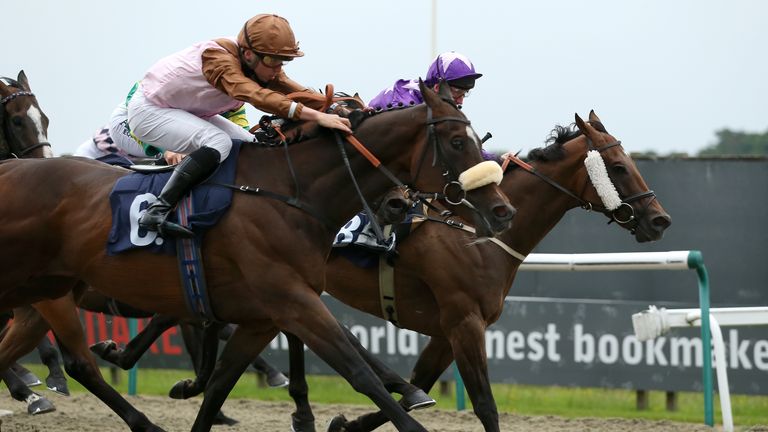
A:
[263,260]
[453,292]
[23,134]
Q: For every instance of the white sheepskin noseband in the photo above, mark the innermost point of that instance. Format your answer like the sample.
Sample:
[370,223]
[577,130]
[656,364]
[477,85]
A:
[480,175]
[600,180]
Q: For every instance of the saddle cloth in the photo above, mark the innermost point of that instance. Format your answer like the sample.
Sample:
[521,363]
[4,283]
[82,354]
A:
[134,192]
[357,241]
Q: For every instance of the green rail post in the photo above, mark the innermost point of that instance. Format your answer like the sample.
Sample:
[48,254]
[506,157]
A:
[461,403]
[696,261]
[133,330]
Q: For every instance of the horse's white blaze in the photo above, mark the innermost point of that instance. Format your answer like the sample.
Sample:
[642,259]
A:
[36,116]
[472,134]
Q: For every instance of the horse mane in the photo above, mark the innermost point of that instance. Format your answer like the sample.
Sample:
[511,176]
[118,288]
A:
[10,82]
[557,137]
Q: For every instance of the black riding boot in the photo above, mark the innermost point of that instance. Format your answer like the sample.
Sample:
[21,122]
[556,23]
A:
[193,169]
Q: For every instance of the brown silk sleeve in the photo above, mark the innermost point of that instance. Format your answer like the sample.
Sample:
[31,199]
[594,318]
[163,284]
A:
[221,67]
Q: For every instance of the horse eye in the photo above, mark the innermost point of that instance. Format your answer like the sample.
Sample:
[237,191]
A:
[16,121]
[619,169]
[457,143]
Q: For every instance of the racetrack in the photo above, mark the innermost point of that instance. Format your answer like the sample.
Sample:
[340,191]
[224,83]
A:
[85,413]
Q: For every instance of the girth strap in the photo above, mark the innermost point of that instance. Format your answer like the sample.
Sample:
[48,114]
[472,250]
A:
[387,286]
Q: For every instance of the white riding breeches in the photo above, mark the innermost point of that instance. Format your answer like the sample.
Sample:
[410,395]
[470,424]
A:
[179,131]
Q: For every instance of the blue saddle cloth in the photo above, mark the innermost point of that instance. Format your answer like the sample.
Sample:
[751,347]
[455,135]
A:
[133,193]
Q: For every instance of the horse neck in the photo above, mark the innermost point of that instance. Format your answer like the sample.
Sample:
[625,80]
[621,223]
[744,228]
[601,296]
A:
[540,206]
[322,177]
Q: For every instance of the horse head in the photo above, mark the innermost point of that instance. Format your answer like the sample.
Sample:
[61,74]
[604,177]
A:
[25,126]
[468,180]
[618,185]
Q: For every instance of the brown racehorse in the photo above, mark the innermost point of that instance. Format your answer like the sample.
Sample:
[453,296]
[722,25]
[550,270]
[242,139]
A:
[263,260]
[462,289]
[23,134]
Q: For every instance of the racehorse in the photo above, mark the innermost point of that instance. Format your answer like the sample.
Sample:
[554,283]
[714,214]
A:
[462,288]
[24,124]
[467,294]
[262,259]
[23,134]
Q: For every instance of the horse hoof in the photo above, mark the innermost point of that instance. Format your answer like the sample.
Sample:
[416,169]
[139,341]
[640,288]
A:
[222,419]
[302,425]
[417,400]
[39,405]
[337,424]
[58,385]
[103,348]
[179,390]
[277,380]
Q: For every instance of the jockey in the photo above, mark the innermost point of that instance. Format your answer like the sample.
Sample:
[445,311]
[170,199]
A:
[177,103]
[455,68]
[451,66]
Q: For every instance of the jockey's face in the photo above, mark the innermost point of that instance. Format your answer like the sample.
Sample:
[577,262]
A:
[457,93]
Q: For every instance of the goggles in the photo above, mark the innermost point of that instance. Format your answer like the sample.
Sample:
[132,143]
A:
[272,61]
[459,93]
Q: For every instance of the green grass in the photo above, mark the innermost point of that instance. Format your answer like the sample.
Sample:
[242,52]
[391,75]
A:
[518,399]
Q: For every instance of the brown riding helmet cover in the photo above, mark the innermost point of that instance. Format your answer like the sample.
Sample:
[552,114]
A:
[269,34]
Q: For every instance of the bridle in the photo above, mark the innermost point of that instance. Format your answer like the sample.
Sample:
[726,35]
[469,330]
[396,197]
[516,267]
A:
[26,150]
[615,215]
[448,172]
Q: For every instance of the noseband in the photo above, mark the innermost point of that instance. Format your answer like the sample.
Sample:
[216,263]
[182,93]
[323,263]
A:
[29,149]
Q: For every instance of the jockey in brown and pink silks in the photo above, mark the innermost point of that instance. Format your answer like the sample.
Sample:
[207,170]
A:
[178,101]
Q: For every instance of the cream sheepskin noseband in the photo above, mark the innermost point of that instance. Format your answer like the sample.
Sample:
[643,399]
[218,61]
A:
[598,174]
[480,175]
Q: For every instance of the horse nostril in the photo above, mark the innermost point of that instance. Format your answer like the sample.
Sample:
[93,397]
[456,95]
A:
[504,212]
[662,222]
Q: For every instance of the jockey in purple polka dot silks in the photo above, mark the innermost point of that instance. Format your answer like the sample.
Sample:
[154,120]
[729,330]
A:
[177,104]
[455,68]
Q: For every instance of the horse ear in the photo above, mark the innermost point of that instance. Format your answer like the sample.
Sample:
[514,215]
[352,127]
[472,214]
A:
[22,79]
[444,90]
[593,117]
[430,97]
[583,126]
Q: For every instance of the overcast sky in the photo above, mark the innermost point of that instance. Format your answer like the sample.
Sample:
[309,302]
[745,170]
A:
[663,75]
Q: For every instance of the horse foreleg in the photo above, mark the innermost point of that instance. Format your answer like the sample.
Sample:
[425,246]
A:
[36,404]
[56,380]
[126,358]
[17,340]
[468,342]
[302,420]
[432,362]
[243,346]
[62,315]
[323,335]
[203,360]
[413,396]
